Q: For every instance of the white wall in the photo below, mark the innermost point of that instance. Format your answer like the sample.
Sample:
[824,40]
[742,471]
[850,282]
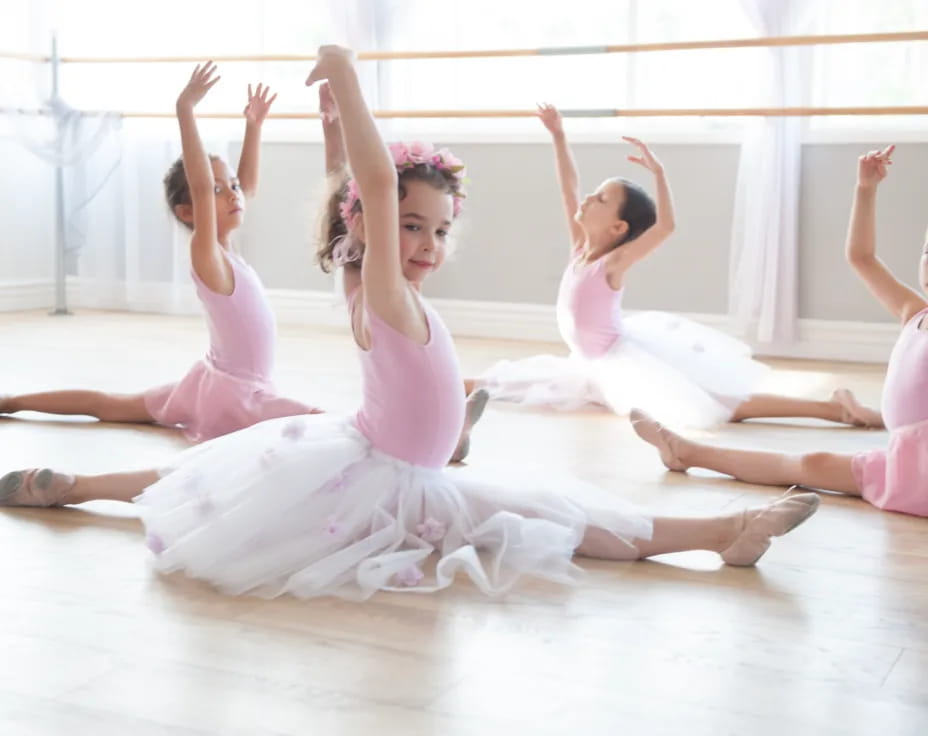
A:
[827,287]
[513,237]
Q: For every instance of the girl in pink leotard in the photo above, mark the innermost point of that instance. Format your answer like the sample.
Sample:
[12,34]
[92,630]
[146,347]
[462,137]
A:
[896,478]
[687,373]
[328,505]
[231,387]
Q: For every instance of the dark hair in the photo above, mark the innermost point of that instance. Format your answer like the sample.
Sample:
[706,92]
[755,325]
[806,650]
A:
[177,188]
[638,210]
[334,228]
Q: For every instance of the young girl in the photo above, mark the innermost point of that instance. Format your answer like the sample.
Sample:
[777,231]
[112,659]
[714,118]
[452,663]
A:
[337,249]
[231,387]
[896,478]
[320,504]
[689,373]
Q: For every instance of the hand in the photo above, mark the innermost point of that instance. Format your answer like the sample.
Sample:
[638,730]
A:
[551,118]
[201,82]
[872,166]
[327,107]
[329,60]
[645,157]
[258,104]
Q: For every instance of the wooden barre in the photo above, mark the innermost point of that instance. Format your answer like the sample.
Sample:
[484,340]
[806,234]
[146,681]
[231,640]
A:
[591,113]
[17,56]
[567,113]
[771,41]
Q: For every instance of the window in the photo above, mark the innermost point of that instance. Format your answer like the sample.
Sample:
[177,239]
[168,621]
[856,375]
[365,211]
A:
[197,29]
[869,74]
[599,81]
[835,75]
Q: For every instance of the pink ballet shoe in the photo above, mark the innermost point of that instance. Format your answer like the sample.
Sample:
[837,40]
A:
[855,413]
[35,487]
[654,433]
[774,520]
[476,403]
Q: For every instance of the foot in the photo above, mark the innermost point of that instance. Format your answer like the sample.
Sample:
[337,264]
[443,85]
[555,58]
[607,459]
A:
[668,444]
[4,403]
[35,487]
[476,403]
[855,413]
[757,526]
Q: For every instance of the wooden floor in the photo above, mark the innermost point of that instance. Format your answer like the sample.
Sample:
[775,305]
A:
[828,635]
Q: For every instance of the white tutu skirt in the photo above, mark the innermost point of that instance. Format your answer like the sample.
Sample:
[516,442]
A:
[306,506]
[681,372]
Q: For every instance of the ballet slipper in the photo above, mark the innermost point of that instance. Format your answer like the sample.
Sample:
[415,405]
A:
[476,403]
[773,520]
[35,487]
[855,413]
[666,442]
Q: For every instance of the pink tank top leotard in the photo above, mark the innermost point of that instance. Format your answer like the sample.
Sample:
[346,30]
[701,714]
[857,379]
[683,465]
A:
[413,395]
[589,311]
[905,392]
[242,328]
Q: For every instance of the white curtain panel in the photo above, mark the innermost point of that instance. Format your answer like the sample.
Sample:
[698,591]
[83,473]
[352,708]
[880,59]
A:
[763,274]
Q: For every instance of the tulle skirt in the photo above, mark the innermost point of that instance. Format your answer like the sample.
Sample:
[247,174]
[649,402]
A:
[676,369]
[306,506]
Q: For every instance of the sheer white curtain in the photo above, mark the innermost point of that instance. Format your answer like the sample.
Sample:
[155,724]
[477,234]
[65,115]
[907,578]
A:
[26,183]
[763,274]
[137,255]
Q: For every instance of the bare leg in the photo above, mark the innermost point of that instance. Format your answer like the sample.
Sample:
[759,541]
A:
[825,470]
[106,407]
[842,408]
[740,539]
[469,385]
[111,486]
[670,535]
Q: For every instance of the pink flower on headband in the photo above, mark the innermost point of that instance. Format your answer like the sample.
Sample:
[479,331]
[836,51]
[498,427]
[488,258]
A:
[420,151]
[400,154]
[444,159]
[406,156]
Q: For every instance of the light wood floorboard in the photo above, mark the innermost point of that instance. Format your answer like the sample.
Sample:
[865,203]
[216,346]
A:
[828,635]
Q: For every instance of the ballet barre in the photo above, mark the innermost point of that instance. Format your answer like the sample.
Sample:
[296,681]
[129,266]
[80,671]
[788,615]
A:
[17,56]
[756,42]
[584,113]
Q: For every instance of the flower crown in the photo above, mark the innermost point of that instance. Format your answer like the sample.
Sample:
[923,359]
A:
[406,156]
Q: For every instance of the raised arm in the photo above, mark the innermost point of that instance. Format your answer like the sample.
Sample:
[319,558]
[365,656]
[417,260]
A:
[567,175]
[256,111]
[384,287]
[627,255]
[860,249]
[335,161]
[205,255]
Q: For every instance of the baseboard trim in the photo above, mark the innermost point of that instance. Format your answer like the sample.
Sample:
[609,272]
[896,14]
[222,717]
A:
[818,339]
[16,296]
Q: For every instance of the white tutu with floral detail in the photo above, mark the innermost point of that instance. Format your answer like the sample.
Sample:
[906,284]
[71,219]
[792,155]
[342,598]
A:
[305,505]
[672,367]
